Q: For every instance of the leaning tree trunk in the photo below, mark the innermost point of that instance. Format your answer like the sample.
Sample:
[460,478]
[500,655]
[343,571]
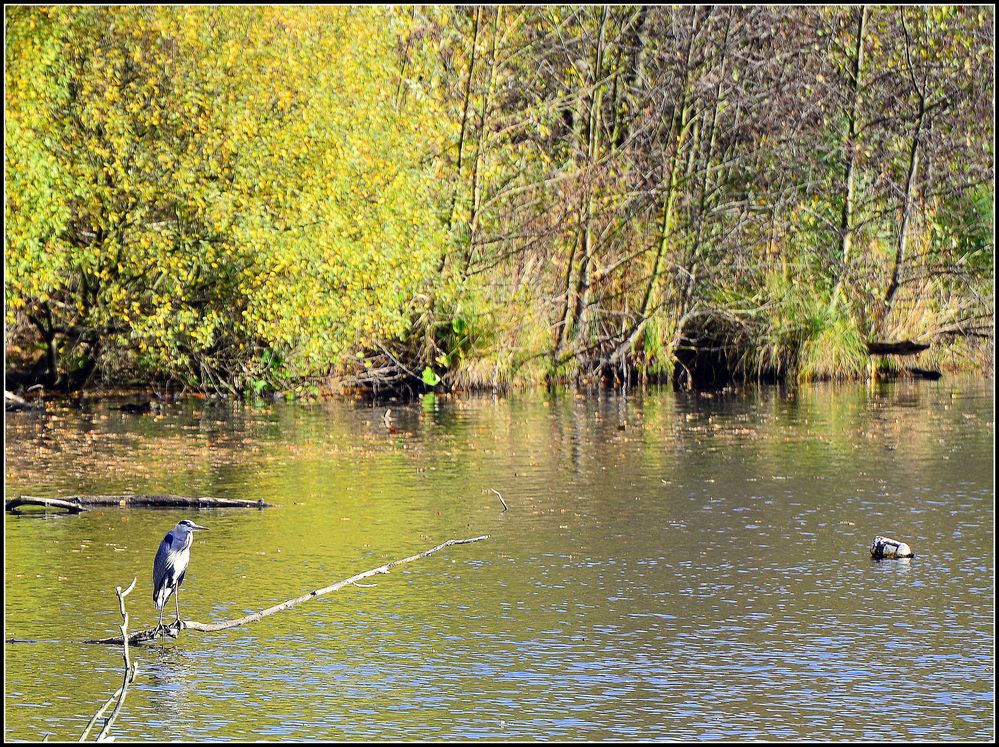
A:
[850,144]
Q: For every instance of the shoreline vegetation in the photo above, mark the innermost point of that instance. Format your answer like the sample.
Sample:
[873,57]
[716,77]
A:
[246,201]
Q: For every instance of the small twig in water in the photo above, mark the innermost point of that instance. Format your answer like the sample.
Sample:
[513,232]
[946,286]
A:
[505,507]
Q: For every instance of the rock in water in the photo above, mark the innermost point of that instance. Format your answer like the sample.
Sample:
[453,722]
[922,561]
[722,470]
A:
[885,547]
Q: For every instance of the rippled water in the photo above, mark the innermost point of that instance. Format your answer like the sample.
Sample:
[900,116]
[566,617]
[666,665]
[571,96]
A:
[672,566]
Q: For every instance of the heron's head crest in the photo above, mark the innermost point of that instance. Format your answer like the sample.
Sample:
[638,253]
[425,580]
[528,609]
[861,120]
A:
[188,526]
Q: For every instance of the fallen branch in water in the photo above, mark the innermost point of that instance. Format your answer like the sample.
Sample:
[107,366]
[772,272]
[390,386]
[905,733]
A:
[172,629]
[905,347]
[13,403]
[25,500]
[131,669]
[80,502]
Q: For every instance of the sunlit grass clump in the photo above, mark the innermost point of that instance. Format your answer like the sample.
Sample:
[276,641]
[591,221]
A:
[834,349]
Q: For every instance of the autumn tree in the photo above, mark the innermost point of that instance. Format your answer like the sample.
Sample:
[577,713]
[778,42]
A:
[216,194]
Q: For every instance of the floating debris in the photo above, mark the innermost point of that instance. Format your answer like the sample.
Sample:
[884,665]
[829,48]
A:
[887,548]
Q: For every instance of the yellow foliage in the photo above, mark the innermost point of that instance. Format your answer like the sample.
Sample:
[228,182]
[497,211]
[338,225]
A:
[212,159]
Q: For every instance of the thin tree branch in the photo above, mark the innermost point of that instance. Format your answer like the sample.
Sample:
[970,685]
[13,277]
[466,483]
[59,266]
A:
[131,669]
[153,633]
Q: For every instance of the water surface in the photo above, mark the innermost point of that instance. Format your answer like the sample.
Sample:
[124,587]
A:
[671,566]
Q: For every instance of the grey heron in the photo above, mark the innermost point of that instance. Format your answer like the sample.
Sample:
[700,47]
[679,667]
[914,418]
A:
[170,565]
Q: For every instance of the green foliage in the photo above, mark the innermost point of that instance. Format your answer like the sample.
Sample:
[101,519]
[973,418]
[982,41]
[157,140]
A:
[658,348]
[430,378]
[833,349]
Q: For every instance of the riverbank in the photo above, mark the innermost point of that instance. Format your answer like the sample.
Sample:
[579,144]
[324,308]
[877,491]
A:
[707,372]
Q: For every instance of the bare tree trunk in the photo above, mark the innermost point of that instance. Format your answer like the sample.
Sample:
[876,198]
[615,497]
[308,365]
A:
[910,181]
[903,232]
[151,634]
[78,503]
[850,143]
[46,327]
[578,278]
[464,115]
[690,276]
[583,291]
[473,219]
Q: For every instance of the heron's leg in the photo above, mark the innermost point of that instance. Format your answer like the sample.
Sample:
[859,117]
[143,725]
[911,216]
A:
[159,622]
[176,599]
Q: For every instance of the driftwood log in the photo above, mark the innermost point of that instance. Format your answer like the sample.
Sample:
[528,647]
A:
[77,503]
[23,500]
[13,403]
[141,636]
[905,347]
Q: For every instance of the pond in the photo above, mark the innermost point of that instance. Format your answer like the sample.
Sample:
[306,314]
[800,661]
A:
[672,566]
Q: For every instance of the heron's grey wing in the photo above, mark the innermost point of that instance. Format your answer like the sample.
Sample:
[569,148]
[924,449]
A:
[161,565]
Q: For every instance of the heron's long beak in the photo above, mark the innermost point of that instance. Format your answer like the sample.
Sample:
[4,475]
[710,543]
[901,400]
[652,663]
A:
[198,526]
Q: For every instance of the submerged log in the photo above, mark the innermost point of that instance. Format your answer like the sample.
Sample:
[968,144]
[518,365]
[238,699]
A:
[887,548]
[905,347]
[134,501]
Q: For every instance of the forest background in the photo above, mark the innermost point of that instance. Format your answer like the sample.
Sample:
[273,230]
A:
[252,199]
